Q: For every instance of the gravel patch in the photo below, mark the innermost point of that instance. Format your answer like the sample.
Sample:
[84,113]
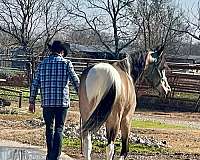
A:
[32,123]
[72,131]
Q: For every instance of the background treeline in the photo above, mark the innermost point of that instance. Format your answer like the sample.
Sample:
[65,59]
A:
[116,26]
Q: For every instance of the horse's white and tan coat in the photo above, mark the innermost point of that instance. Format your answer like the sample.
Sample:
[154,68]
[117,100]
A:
[98,82]
[95,85]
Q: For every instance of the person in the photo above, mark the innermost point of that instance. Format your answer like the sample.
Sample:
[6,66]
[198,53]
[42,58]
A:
[52,77]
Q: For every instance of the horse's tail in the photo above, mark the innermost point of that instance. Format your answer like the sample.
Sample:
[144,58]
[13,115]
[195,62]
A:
[103,107]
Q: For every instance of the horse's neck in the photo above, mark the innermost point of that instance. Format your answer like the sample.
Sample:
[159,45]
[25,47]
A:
[124,65]
[132,65]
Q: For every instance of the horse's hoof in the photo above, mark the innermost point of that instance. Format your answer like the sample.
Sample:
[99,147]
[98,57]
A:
[122,158]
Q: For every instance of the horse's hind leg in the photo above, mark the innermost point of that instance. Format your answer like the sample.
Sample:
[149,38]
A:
[125,130]
[87,145]
[112,128]
[110,148]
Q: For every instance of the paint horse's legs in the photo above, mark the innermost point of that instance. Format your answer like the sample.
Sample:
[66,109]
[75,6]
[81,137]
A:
[87,145]
[125,127]
[110,148]
[112,129]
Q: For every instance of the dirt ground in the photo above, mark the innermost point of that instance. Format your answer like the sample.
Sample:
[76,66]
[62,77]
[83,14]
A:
[185,143]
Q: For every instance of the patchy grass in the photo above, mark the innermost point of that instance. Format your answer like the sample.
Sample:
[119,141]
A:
[149,124]
[99,146]
[12,95]
[73,143]
[19,114]
[188,96]
[143,149]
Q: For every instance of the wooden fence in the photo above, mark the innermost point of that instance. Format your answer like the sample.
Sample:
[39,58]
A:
[182,77]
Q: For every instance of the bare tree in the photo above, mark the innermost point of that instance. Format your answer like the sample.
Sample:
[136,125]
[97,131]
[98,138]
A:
[84,37]
[158,17]
[5,40]
[192,22]
[55,20]
[20,18]
[110,18]
[31,22]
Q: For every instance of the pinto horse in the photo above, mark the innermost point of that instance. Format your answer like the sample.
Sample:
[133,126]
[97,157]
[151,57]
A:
[107,94]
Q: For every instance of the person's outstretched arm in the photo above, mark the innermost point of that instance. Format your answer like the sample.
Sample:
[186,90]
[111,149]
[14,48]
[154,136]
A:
[74,79]
[34,90]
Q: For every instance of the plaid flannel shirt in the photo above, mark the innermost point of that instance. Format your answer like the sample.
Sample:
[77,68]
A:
[52,78]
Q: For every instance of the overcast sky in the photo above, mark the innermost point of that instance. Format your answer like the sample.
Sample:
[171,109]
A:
[188,4]
[190,7]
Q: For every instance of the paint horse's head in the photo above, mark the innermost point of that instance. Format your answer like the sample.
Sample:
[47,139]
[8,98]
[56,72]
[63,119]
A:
[154,71]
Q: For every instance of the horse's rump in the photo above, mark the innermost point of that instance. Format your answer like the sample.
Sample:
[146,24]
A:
[102,85]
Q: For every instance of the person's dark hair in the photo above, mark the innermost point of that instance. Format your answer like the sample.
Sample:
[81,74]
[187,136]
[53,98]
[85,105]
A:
[59,46]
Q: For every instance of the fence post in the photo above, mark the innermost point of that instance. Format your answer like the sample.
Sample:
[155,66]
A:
[20,99]
[29,72]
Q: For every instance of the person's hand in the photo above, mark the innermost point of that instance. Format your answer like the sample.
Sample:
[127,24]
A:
[32,108]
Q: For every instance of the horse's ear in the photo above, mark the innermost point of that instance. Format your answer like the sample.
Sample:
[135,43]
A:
[156,55]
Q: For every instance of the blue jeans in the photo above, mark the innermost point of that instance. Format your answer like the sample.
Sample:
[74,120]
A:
[54,134]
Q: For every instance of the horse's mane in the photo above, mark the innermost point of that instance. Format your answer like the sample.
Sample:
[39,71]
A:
[137,64]
[133,64]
